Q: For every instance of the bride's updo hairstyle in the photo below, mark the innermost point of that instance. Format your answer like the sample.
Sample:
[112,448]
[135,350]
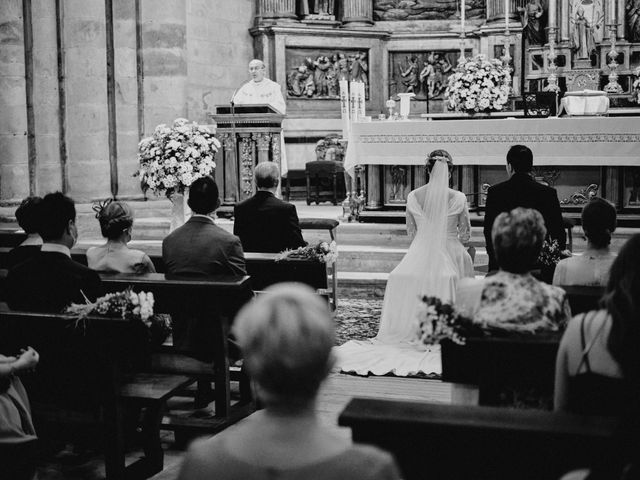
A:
[286,336]
[439,154]
[114,218]
[598,222]
[517,239]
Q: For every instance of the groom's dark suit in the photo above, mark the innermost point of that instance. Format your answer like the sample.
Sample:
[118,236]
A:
[265,223]
[49,282]
[521,190]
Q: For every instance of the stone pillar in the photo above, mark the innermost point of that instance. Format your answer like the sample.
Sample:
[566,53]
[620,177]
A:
[263,141]
[356,13]
[230,168]
[276,10]
[622,22]
[467,185]
[495,10]
[564,25]
[14,172]
[373,186]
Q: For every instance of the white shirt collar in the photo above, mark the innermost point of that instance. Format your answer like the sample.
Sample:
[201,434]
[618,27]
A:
[33,239]
[55,247]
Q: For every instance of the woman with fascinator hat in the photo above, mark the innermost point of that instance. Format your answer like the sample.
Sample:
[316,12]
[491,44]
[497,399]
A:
[438,225]
[116,224]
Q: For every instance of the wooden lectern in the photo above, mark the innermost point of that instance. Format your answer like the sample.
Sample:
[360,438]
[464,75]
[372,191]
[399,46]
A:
[249,134]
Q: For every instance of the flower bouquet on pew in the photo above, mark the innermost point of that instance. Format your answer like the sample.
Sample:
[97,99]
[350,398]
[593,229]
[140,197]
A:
[322,252]
[550,255]
[438,321]
[129,305]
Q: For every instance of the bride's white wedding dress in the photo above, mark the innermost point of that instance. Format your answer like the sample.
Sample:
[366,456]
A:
[436,259]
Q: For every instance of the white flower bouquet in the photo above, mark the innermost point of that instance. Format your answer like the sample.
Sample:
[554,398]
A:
[439,321]
[173,157]
[127,305]
[322,252]
[479,85]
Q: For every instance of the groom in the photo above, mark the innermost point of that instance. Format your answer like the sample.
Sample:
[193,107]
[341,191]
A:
[522,190]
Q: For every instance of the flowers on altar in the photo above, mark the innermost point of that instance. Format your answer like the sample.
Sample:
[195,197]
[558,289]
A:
[439,321]
[322,252]
[479,85]
[173,157]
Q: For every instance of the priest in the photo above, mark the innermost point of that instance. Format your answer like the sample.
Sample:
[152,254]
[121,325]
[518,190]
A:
[259,90]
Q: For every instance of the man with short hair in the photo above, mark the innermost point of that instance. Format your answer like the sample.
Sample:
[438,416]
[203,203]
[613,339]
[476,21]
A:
[522,190]
[200,247]
[51,280]
[263,222]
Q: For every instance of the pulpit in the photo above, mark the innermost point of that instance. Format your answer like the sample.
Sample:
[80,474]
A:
[249,134]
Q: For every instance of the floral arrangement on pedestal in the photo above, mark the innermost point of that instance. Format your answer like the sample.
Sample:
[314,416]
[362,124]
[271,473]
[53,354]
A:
[322,252]
[438,320]
[479,85]
[172,158]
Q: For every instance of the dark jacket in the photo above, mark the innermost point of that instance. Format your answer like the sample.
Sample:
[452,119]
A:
[265,223]
[49,282]
[199,247]
[521,190]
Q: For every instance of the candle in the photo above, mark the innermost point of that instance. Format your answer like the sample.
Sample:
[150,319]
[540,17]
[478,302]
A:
[462,13]
[613,10]
[506,16]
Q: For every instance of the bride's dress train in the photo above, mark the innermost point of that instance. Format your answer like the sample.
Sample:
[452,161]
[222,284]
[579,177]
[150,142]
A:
[434,262]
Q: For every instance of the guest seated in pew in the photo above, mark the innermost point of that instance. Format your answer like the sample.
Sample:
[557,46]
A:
[286,336]
[513,299]
[263,222]
[28,217]
[592,267]
[116,223]
[200,247]
[51,280]
[598,367]
[17,434]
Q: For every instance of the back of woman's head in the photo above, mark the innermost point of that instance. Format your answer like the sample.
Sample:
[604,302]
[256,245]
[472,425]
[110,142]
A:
[286,336]
[28,214]
[517,239]
[114,218]
[599,221]
[622,301]
[439,155]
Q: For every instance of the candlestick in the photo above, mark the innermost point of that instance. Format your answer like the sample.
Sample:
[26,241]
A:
[613,86]
[462,15]
[506,16]
[613,7]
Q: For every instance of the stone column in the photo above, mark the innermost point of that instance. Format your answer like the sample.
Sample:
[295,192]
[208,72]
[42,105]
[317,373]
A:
[263,141]
[622,24]
[276,9]
[229,144]
[356,13]
[564,26]
[373,186]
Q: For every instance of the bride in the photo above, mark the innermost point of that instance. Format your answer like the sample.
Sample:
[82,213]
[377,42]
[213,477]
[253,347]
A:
[438,224]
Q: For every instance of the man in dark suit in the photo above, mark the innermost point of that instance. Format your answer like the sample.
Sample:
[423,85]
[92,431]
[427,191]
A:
[263,222]
[521,190]
[51,280]
[200,247]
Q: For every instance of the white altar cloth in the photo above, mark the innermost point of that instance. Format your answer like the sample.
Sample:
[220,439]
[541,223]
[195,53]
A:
[597,141]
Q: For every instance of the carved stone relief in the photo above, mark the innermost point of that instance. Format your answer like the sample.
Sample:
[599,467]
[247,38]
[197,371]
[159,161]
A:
[422,73]
[632,9]
[315,73]
[425,9]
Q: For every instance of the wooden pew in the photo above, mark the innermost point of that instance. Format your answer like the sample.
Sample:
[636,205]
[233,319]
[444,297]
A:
[435,441]
[583,299]
[493,364]
[83,384]
[205,306]
[11,237]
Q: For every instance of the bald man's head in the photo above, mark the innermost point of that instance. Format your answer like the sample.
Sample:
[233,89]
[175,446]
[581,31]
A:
[257,70]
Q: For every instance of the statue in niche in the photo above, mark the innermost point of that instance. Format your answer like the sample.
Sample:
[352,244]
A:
[632,9]
[441,68]
[428,76]
[318,75]
[583,41]
[318,9]
[531,15]
[410,74]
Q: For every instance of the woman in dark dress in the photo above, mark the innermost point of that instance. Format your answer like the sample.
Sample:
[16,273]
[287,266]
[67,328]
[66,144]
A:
[28,217]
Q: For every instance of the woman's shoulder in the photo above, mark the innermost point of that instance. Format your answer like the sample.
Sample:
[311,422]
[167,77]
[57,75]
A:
[366,462]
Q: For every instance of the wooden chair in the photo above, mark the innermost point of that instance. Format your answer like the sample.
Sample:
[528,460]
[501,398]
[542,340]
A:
[438,441]
[325,181]
[86,378]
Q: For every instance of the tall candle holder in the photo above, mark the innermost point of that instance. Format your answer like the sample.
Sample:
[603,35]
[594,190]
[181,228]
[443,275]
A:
[613,86]
[552,79]
[462,58]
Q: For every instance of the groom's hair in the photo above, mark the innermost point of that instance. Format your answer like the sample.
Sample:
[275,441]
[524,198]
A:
[203,196]
[56,210]
[520,158]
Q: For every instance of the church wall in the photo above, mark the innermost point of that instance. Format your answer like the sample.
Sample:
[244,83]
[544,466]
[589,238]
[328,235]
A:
[171,58]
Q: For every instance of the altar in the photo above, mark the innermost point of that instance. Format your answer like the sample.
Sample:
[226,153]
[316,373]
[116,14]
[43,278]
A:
[578,156]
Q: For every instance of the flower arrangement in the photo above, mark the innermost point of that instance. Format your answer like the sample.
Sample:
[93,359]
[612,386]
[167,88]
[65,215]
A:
[173,157]
[126,304]
[479,85]
[322,252]
[439,321]
[550,254]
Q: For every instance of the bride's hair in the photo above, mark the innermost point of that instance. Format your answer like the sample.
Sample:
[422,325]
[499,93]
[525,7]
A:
[439,155]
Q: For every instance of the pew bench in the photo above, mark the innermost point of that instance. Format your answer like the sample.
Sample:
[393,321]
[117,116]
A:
[82,384]
[438,441]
